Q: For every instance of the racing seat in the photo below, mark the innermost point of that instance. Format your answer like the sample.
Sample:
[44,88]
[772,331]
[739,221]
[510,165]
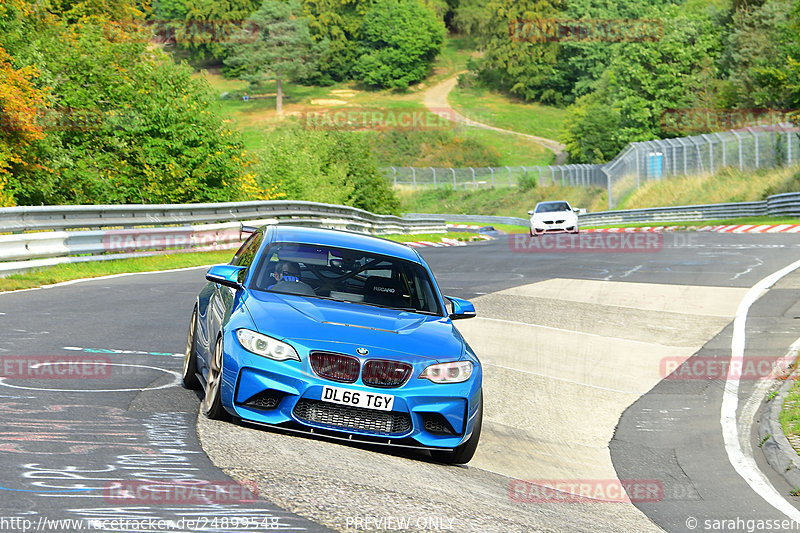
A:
[383,291]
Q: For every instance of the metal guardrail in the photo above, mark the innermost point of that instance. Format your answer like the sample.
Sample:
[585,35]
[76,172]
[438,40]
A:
[47,235]
[63,217]
[779,205]
[472,219]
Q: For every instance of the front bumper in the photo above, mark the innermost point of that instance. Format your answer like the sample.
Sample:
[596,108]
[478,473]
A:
[568,226]
[288,394]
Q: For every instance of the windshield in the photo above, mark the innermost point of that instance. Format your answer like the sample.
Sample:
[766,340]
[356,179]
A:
[347,276]
[552,207]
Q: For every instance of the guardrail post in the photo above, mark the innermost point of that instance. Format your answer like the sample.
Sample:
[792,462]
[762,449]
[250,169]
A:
[741,160]
[509,175]
[394,175]
[434,177]
[674,162]
[540,175]
[473,178]
[455,185]
[638,172]
[710,152]
[683,150]
[414,177]
[724,150]
[699,166]
[492,171]
[552,175]
[788,144]
[755,138]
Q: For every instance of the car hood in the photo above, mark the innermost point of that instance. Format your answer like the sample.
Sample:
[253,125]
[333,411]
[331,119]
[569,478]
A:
[554,214]
[291,317]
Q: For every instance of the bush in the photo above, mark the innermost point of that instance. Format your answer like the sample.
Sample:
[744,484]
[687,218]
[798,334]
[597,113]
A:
[325,166]
[527,182]
[399,40]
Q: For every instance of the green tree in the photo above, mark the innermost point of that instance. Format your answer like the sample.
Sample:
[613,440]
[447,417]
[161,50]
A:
[325,166]
[338,22]
[520,64]
[399,40]
[643,81]
[203,27]
[471,17]
[120,123]
[760,54]
[277,46]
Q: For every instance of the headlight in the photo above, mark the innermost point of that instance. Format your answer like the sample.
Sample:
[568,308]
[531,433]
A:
[448,372]
[265,346]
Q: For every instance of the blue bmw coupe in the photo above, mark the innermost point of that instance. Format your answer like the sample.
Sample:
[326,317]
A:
[337,334]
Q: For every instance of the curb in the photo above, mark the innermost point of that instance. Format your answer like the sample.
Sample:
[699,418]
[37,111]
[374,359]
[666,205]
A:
[739,228]
[777,449]
[447,242]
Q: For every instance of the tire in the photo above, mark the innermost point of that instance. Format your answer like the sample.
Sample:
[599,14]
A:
[463,453]
[212,403]
[189,377]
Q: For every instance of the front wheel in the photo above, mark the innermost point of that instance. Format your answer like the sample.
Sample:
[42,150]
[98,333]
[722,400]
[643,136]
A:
[463,453]
[189,376]
[212,403]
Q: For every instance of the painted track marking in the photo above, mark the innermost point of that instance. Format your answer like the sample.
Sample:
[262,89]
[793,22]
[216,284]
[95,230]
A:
[745,465]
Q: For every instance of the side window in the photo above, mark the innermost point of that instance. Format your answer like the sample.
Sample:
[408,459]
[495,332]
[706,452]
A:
[245,255]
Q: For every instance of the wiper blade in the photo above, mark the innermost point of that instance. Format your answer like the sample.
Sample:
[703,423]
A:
[412,309]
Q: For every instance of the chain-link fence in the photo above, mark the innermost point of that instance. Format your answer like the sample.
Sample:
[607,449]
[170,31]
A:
[482,177]
[638,163]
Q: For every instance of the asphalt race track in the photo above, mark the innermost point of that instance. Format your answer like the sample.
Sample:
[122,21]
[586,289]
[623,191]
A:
[578,349]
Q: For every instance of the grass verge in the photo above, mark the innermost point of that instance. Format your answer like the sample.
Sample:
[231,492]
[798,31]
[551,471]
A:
[70,271]
[507,201]
[790,412]
[508,228]
[727,185]
[501,111]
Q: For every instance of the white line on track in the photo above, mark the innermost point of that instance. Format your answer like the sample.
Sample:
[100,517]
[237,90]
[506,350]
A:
[745,464]
[81,280]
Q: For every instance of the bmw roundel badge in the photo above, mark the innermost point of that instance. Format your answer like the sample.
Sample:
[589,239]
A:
[362,351]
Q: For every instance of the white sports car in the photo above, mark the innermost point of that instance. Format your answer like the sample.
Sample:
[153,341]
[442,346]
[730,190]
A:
[555,216]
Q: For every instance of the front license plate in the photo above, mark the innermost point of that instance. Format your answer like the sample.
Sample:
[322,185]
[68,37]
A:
[355,398]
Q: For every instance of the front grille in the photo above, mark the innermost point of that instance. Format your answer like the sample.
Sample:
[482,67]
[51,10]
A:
[380,373]
[265,400]
[548,221]
[559,221]
[335,366]
[381,422]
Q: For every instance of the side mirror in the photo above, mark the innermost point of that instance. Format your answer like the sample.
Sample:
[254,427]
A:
[227,275]
[576,209]
[530,212]
[461,308]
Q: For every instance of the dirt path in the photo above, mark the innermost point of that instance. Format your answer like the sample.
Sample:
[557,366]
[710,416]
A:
[435,99]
